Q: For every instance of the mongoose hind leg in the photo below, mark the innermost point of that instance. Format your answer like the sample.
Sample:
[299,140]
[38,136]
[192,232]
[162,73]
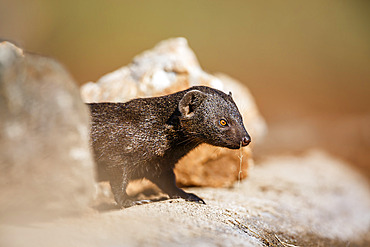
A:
[118,182]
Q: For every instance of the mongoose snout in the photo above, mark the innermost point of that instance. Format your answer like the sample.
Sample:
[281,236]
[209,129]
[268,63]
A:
[246,140]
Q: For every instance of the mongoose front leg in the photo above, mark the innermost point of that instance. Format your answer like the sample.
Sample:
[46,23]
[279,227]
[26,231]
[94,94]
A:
[166,181]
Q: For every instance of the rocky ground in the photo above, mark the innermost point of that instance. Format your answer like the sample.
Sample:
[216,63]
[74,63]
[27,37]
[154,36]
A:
[313,200]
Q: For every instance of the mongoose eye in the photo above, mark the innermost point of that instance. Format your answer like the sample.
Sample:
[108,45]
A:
[223,122]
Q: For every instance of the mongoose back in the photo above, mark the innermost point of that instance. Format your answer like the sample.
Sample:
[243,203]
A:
[145,137]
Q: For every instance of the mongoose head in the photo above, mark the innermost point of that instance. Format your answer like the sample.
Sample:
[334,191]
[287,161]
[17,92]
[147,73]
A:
[211,116]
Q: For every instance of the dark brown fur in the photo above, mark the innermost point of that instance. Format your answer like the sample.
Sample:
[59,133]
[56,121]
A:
[144,138]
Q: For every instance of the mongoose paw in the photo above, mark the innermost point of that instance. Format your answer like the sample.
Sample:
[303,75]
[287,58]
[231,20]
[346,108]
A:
[141,202]
[126,203]
[194,198]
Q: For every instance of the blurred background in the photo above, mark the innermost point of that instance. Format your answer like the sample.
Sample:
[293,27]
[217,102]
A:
[307,63]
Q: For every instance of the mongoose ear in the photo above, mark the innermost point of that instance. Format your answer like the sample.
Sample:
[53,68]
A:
[230,94]
[190,102]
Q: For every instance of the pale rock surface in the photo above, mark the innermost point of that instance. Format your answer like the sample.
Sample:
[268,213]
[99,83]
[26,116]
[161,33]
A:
[313,200]
[169,67]
[46,168]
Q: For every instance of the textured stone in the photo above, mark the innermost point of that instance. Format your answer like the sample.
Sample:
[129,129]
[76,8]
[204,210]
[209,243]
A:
[313,200]
[169,67]
[46,168]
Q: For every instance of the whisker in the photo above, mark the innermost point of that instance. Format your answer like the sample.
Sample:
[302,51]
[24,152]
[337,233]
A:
[187,141]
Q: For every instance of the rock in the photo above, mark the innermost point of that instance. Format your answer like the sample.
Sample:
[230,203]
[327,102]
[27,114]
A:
[169,67]
[46,168]
[312,200]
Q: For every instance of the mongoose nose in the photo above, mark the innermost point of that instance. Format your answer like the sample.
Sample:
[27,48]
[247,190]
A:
[246,140]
